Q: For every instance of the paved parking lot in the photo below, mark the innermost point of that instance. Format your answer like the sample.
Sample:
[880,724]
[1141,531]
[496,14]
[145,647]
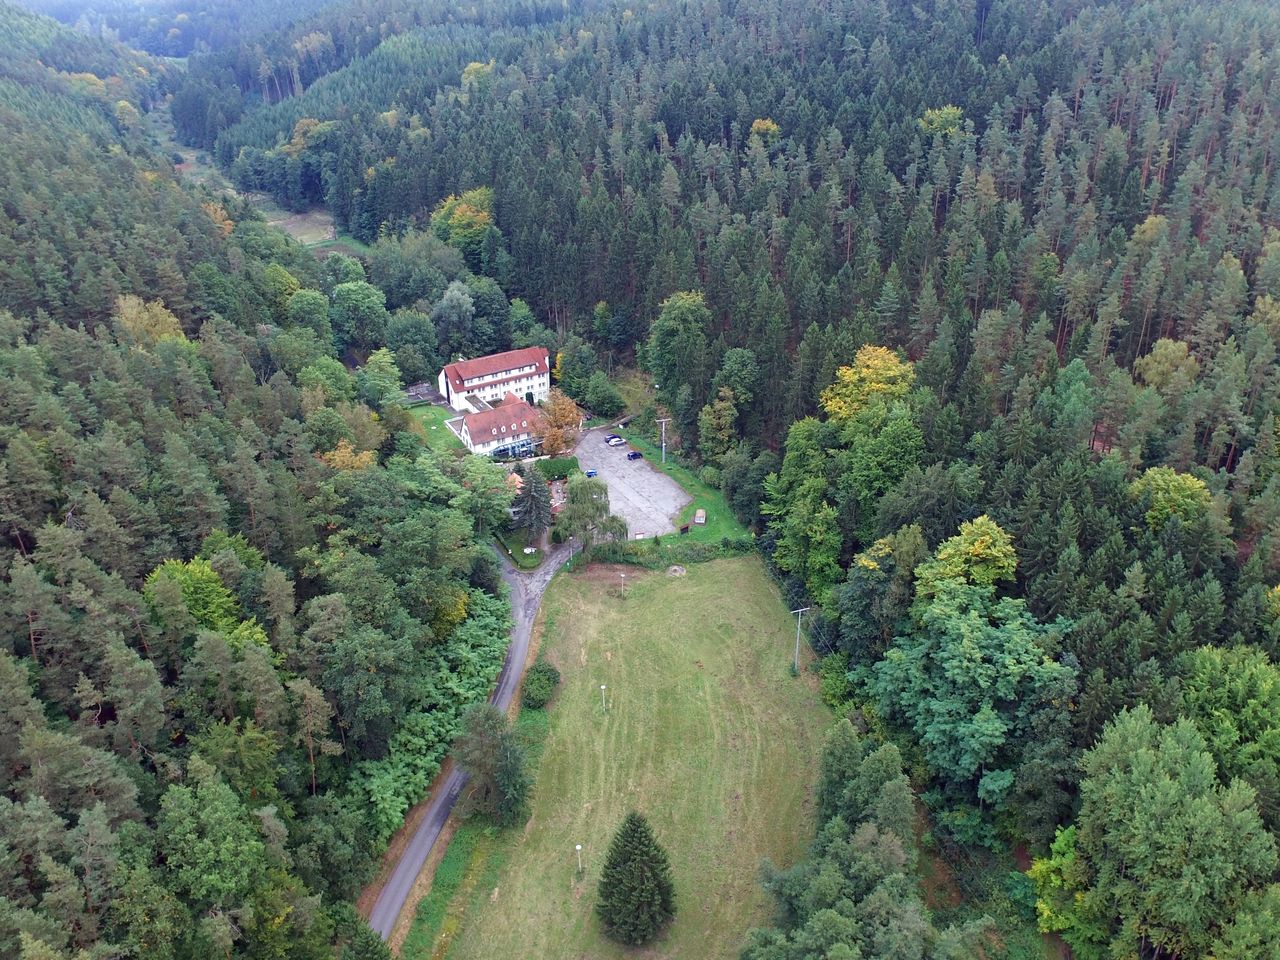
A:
[647,499]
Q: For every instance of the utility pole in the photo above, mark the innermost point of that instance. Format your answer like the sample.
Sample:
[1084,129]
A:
[799,616]
[664,421]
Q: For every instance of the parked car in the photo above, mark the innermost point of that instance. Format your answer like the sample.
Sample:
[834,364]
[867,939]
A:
[591,473]
[610,437]
[635,455]
[616,442]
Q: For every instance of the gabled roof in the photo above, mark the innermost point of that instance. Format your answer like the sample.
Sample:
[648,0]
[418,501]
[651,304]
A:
[516,416]
[496,364]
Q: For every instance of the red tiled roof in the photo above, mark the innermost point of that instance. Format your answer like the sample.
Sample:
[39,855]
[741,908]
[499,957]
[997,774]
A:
[495,364]
[516,415]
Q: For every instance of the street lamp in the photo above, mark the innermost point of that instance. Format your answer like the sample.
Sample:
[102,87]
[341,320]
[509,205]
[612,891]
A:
[578,847]
[624,584]
[602,704]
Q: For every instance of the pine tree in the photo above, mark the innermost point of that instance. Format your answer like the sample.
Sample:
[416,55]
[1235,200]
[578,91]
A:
[636,894]
[532,508]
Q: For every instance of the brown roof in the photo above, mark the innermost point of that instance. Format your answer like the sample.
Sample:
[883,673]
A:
[494,364]
[514,414]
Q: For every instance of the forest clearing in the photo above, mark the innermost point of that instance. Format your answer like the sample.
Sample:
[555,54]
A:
[705,732]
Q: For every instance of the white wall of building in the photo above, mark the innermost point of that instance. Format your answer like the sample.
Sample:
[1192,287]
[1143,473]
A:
[486,444]
[494,388]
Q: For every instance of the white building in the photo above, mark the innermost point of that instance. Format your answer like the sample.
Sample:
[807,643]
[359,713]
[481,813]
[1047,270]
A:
[526,373]
[510,429]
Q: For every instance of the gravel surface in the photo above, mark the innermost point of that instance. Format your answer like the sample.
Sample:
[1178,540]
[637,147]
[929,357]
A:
[646,498]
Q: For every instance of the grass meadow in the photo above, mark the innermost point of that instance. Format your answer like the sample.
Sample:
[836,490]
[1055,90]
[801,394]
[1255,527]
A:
[704,731]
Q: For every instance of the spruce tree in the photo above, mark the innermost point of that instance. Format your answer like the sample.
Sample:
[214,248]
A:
[636,895]
[532,508]
[512,784]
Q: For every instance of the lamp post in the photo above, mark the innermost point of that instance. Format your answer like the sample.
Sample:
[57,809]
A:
[578,847]
[664,421]
[799,616]
[624,584]
[602,703]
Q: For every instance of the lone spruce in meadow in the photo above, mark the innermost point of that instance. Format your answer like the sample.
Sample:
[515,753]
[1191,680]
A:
[636,894]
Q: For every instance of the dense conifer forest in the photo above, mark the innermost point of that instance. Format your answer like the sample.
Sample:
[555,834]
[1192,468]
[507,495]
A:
[969,309]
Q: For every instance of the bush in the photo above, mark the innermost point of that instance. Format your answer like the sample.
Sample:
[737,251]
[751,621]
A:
[602,397]
[654,554]
[556,536]
[557,468]
[834,671]
[539,684]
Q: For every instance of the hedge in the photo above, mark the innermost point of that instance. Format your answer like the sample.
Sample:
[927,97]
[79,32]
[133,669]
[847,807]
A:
[557,468]
[656,554]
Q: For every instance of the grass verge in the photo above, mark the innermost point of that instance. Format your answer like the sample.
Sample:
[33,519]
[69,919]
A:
[704,731]
[472,863]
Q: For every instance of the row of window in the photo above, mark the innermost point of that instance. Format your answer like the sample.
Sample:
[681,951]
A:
[523,423]
[496,376]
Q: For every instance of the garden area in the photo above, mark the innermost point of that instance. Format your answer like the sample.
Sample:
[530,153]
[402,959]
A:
[438,436]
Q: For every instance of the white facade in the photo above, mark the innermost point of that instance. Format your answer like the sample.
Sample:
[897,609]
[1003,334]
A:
[524,373]
[486,445]
[511,429]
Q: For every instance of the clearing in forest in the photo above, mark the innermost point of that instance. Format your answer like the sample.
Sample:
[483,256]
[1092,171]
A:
[705,732]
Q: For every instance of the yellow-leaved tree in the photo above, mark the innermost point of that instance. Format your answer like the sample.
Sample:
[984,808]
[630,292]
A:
[1170,494]
[981,553]
[876,373]
[147,322]
[345,457]
[561,420]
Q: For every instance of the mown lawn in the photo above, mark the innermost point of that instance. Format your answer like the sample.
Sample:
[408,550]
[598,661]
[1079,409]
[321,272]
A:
[705,732]
[432,418]
[515,540]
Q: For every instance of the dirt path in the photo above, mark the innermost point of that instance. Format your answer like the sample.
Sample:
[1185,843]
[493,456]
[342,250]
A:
[410,851]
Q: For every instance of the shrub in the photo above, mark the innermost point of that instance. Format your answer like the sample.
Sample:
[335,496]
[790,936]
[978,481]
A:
[557,468]
[834,672]
[539,684]
[556,535]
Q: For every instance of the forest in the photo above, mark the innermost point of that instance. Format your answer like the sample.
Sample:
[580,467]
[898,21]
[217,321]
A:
[969,309]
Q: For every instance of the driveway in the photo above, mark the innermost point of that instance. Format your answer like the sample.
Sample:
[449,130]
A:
[526,596]
[646,498]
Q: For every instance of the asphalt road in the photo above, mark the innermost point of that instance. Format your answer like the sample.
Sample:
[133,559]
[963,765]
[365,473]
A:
[526,597]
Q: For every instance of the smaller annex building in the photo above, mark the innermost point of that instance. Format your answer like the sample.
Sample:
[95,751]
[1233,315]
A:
[508,430]
[525,373]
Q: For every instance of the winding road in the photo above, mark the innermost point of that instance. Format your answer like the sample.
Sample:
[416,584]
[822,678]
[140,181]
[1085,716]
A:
[526,597]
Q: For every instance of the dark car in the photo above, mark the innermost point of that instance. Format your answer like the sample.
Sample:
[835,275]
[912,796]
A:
[635,455]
